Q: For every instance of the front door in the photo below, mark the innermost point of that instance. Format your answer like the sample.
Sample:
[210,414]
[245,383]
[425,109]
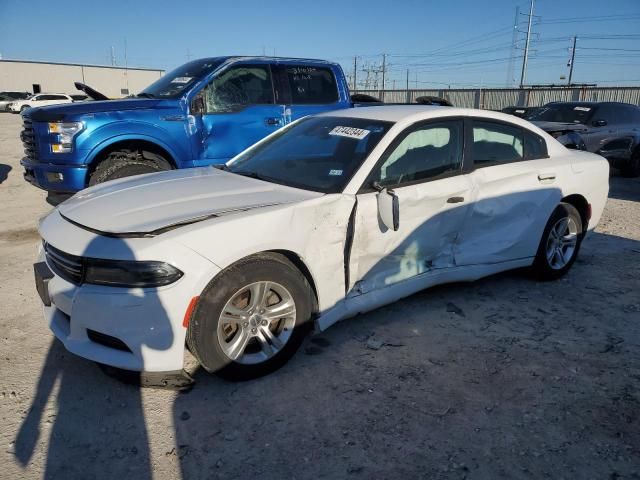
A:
[424,167]
[240,109]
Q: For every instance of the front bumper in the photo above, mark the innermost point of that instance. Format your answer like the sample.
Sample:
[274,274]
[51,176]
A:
[54,178]
[139,329]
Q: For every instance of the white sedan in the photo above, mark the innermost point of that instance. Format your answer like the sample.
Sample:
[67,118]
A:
[38,100]
[333,215]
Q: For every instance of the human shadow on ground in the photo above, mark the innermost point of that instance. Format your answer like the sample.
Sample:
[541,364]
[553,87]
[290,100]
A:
[4,172]
[98,426]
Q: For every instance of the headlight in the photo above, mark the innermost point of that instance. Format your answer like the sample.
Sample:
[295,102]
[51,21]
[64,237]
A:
[125,273]
[65,131]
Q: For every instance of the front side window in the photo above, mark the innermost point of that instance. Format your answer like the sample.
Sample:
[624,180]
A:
[315,153]
[495,143]
[424,153]
[311,85]
[239,87]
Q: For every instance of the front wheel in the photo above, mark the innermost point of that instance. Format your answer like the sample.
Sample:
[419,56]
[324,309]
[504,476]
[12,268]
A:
[560,243]
[251,318]
[632,167]
[127,163]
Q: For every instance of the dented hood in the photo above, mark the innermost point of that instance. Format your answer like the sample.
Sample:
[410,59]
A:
[150,204]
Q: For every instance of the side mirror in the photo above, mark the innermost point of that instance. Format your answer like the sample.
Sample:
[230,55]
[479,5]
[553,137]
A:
[388,207]
[197,105]
[599,123]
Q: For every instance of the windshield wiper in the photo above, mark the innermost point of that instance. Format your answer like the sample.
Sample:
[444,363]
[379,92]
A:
[255,175]
[221,166]
[146,95]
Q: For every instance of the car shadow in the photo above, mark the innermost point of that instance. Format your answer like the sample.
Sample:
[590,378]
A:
[4,172]
[622,188]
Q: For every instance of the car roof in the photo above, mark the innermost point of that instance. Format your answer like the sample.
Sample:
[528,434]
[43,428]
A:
[263,59]
[413,113]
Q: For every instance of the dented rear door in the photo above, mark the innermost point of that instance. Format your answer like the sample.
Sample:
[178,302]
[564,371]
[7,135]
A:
[514,197]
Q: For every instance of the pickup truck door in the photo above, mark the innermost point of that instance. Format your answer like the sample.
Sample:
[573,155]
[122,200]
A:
[239,110]
[306,89]
[423,167]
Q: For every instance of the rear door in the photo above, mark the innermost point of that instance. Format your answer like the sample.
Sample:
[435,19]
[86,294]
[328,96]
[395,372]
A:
[307,89]
[424,167]
[240,109]
[516,186]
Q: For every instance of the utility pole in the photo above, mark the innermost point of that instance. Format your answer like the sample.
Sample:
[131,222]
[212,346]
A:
[573,57]
[408,94]
[113,55]
[523,75]
[384,68]
[514,46]
[355,72]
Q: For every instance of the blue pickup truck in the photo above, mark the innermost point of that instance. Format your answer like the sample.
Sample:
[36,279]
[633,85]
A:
[202,113]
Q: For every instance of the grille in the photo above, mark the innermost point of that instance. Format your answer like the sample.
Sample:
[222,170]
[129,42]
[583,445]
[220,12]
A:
[28,138]
[67,266]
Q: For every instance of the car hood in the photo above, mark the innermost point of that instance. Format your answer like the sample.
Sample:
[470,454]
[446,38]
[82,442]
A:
[70,110]
[147,205]
[559,126]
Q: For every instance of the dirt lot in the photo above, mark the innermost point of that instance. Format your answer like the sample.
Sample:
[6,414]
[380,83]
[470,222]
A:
[503,378]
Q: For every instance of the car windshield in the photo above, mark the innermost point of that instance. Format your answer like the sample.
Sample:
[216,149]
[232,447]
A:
[564,113]
[316,153]
[178,81]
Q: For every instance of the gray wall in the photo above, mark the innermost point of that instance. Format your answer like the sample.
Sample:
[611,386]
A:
[498,98]
[59,78]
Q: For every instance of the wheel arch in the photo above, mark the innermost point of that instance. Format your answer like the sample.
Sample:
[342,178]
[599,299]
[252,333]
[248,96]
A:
[129,143]
[299,263]
[582,205]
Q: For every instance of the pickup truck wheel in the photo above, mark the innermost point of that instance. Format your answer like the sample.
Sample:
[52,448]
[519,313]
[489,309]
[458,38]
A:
[560,243]
[251,318]
[632,168]
[126,163]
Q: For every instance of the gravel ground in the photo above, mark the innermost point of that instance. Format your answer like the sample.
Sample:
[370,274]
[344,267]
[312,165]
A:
[502,378]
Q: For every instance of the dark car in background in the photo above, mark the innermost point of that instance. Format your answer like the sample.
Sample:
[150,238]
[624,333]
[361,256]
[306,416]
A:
[522,112]
[610,129]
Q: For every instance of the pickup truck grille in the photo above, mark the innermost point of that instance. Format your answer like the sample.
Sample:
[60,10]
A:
[65,265]
[28,138]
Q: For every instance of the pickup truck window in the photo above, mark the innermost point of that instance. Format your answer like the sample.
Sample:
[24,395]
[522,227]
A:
[311,85]
[239,87]
[175,83]
[315,153]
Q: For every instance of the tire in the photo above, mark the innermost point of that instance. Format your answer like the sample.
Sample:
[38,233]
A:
[210,338]
[551,267]
[126,163]
[632,167]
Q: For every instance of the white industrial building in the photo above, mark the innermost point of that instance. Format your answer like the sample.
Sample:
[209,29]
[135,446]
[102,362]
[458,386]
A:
[52,77]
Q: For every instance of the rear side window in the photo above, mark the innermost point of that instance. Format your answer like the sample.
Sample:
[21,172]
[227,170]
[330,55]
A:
[311,85]
[534,146]
[496,143]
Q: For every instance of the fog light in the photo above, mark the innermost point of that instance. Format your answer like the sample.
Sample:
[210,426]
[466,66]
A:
[61,147]
[55,177]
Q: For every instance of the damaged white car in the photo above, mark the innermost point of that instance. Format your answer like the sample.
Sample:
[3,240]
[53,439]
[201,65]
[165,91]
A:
[332,215]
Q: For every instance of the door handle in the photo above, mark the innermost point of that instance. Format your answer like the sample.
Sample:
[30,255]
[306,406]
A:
[273,121]
[546,176]
[455,200]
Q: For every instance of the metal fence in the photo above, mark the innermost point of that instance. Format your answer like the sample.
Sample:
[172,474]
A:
[498,98]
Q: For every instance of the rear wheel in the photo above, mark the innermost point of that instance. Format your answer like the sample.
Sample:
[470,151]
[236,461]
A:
[126,163]
[251,318]
[560,243]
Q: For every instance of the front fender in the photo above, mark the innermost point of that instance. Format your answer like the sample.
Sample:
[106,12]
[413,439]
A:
[107,135]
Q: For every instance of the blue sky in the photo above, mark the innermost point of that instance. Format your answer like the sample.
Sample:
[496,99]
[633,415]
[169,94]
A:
[452,42]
